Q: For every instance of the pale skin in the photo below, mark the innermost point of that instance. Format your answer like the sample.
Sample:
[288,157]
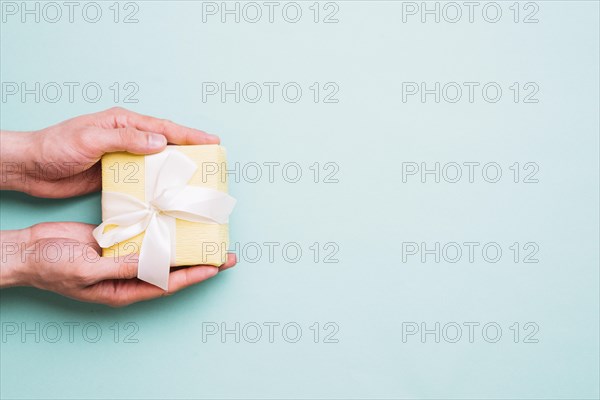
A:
[63,161]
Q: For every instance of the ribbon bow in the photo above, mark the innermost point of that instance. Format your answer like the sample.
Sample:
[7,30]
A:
[167,199]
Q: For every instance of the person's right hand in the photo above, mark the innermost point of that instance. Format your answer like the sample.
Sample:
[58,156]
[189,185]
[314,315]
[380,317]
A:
[63,160]
[63,257]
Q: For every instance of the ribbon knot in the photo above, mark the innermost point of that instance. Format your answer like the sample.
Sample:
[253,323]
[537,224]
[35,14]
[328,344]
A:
[154,208]
[167,198]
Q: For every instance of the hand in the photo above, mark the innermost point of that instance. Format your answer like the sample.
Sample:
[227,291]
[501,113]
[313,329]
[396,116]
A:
[63,257]
[62,160]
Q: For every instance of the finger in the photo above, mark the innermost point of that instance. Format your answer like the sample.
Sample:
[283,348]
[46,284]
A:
[123,292]
[231,261]
[175,133]
[76,185]
[124,139]
[84,233]
[74,231]
[190,276]
[127,267]
[178,280]
[105,268]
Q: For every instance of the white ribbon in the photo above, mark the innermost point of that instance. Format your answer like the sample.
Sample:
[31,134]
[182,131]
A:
[168,197]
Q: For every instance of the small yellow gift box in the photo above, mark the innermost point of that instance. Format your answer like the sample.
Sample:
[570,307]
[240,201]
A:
[176,197]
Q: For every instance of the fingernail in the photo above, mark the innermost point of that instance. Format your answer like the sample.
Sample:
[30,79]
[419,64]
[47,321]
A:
[213,137]
[156,140]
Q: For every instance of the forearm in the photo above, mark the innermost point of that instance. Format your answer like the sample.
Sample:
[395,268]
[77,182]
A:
[13,262]
[17,159]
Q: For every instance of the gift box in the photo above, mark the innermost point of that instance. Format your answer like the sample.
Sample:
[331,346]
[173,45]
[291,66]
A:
[171,208]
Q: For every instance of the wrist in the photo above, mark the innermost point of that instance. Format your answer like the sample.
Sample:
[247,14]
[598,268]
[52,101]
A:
[18,163]
[14,263]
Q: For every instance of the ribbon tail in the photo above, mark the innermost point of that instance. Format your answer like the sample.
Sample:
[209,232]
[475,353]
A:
[155,255]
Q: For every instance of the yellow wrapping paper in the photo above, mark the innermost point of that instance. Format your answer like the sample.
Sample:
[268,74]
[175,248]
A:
[196,243]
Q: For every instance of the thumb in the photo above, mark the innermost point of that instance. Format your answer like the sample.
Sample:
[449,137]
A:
[128,139]
[104,268]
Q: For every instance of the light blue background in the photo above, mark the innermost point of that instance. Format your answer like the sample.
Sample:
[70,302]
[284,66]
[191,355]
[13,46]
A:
[369,213]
